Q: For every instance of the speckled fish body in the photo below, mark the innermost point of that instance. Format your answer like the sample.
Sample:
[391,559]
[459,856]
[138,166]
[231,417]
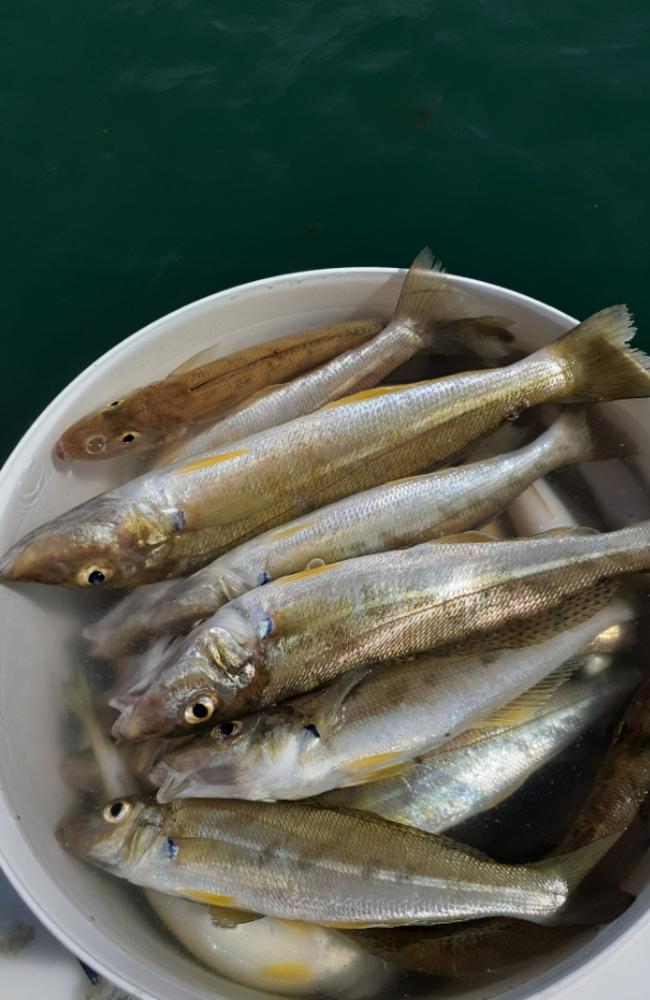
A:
[372,721]
[483,767]
[431,315]
[387,517]
[176,519]
[150,416]
[302,862]
[620,789]
[301,631]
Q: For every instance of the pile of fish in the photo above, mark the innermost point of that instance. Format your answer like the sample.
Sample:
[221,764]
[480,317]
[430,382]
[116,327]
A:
[333,653]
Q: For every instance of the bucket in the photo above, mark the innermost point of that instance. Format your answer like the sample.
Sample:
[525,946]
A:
[99,918]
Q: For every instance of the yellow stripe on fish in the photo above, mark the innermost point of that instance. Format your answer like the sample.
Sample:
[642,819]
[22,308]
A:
[211,898]
[288,532]
[290,972]
[381,390]
[304,573]
[206,463]
[374,760]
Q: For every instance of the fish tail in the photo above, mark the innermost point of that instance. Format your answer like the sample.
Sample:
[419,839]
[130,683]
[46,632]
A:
[599,363]
[579,435]
[591,903]
[441,311]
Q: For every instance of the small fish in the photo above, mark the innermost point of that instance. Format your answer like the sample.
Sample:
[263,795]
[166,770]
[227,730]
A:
[432,315]
[620,789]
[267,954]
[623,782]
[306,862]
[387,517]
[174,520]
[301,631]
[484,766]
[278,956]
[374,721]
[202,388]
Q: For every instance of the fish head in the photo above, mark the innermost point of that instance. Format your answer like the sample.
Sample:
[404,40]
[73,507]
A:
[256,757]
[115,835]
[203,677]
[104,542]
[126,424]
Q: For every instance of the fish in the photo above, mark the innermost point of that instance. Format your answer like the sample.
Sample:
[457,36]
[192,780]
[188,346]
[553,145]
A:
[298,861]
[373,721]
[278,956]
[483,766]
[201,388]
[390,516]
[268,954]
[432,315]
[301,631]
[620,790]
[171,521]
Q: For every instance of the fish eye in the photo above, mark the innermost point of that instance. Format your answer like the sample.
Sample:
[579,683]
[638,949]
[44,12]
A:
[95,444]
[130,437]
[312,730]
[200,710]
[228,728]
[116,812]
[93,576]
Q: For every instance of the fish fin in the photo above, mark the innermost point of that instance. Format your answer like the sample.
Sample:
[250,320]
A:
[231,509]
[230,917]
[598,361]
[231,585]
[440,309]
[78,699]
[590,907]
[464,537]
[202,357]
[529,704]
[329,702]
[580,435]
[592,904]
[575,530]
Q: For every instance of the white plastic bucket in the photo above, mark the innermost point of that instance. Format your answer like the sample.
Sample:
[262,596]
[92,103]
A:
[89,913]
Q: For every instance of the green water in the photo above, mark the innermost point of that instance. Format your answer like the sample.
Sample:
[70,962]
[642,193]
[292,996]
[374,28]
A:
[156,152]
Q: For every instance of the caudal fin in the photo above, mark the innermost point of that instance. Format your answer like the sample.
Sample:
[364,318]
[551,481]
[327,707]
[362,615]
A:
[580,435]
[586,904]
[446,315]
[599,363]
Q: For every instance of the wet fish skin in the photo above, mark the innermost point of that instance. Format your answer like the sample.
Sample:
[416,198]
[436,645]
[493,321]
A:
[302,631]
[302,862]
[429,506]
[620,789]
[177,519]
[481,768]
[432,315]
[162,411]
[374,721]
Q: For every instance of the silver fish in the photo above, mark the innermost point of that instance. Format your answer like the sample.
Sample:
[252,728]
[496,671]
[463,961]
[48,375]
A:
[305,862]
[370,722]
[387,517]
[484,766]
[176,519]
[303,630]
[431,315]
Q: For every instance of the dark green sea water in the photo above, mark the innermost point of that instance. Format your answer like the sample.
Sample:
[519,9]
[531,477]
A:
[153,152]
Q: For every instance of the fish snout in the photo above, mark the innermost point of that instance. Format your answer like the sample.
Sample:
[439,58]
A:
[142,718]
[59,451]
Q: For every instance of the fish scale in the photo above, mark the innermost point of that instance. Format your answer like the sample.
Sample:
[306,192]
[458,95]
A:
[323,622]
[338,869]
[225,498]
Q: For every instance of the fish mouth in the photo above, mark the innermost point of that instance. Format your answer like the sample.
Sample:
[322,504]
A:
[59,451]
[173,784]
[20,562]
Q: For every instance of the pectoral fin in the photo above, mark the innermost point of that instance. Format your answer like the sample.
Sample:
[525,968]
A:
[224,917]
